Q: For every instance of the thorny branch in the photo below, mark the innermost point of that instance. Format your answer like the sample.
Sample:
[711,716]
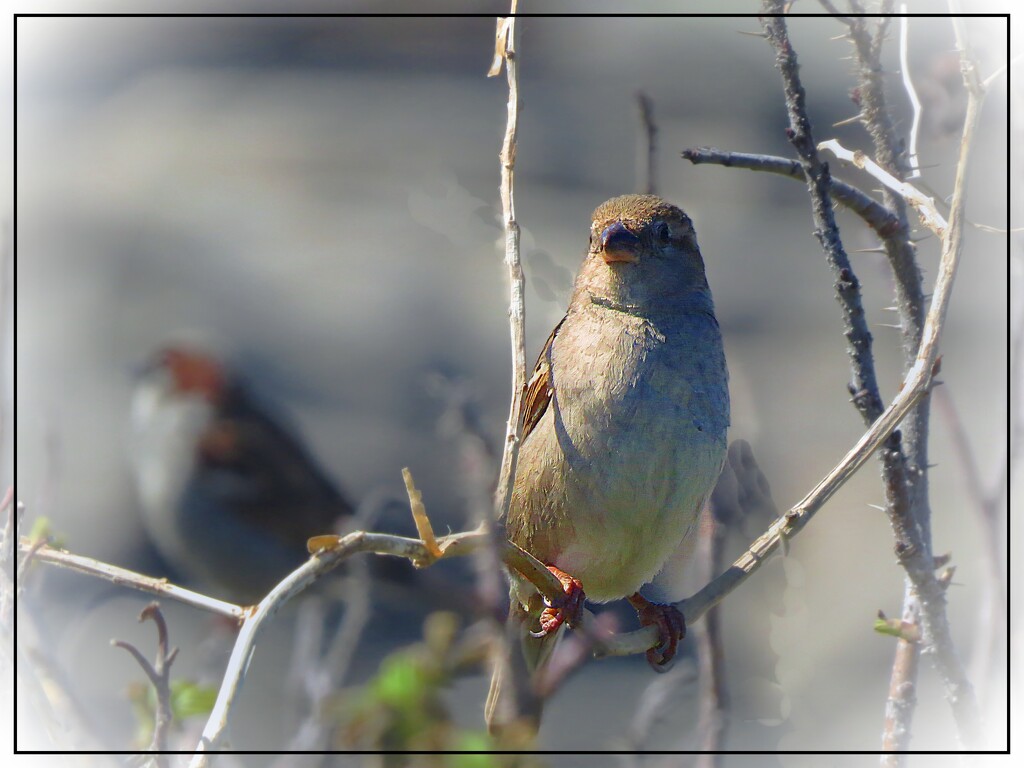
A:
[874,214]
[905,465]
[913,539]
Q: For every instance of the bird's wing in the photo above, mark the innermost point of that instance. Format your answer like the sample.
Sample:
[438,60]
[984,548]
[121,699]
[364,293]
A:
[538,391]
[268,473]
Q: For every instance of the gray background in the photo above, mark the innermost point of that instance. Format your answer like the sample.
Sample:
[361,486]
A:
[320,197]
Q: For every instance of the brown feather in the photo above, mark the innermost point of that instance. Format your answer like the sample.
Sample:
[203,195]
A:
[538,390]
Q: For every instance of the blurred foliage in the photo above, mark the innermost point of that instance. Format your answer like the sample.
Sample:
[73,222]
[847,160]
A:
[42,530]
[188,699]
[402,708]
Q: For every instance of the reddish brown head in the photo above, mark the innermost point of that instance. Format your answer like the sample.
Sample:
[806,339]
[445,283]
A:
[194,372]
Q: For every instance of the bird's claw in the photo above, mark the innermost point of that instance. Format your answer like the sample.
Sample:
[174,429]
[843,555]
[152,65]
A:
[671,627]
[570,612]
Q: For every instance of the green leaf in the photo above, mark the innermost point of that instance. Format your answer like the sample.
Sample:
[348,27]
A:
[896,628]
[189,699]
[470,742]
[400,682]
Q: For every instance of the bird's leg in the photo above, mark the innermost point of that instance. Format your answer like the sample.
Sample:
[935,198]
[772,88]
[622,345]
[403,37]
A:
[670,623]
[570,612]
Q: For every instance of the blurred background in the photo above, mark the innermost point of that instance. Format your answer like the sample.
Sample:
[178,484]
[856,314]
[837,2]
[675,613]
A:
[317,198]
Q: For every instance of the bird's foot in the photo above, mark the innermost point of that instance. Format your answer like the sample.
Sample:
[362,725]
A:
[570,612]
[670,624]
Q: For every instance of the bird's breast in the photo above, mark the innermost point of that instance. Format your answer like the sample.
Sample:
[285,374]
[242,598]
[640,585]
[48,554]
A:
[631,445]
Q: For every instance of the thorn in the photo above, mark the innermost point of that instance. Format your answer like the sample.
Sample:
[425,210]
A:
[848,121]
[947,576]
[941,560]
[875,506]
[889,325]
[876,249]
[761,35]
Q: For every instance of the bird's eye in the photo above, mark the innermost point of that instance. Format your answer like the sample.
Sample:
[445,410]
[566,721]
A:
[661,231]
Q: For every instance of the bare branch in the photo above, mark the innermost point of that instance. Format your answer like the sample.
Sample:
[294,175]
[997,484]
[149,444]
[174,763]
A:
[924,205]
[507,49]
[126,578]
[915,103]
[159,674]
[863,386]
[874,214]
[646,177]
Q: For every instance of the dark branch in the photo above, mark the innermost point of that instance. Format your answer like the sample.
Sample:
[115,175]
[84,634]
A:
[874,214]
[159,674]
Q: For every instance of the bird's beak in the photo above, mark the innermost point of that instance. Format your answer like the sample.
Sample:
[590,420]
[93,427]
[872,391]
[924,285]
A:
[618,244]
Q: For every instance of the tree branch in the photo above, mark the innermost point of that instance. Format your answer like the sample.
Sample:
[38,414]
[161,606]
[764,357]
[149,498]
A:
[872,212]
[159,674]
[126,578]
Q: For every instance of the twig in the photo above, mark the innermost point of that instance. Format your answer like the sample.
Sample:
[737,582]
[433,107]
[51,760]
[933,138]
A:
[905,465]
[646,179]
[159,674]
[516,312]
[915,103]
[924,205]
[864,385]
[714,693]
[506,49]
[876,215]
[1000,70]
[126,578]
[318,673]
[902,699]
[419,516]
[330,552]
[7,588]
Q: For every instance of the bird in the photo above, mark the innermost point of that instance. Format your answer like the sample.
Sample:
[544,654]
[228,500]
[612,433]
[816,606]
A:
[624,432]
[229,492]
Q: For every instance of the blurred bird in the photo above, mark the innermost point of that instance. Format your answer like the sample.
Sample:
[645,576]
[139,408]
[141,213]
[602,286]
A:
[624,431]
[229,494]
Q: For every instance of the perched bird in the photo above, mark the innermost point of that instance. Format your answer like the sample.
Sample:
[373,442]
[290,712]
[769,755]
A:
[229,495]
[624,431]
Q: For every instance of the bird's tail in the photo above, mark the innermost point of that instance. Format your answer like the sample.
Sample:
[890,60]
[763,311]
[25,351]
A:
[502,710]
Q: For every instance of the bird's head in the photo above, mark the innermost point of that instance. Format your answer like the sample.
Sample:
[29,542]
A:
[186,371]
[642,251]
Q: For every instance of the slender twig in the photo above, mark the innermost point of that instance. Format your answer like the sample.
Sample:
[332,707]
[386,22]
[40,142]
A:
[902,699]
[7,559]
[646,161]
[908,85]
[924,205]
[507,40]
[714,693]
[318,673]
[1000,70]
[506,50]
[126,578]
[159,674]
[872,212]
